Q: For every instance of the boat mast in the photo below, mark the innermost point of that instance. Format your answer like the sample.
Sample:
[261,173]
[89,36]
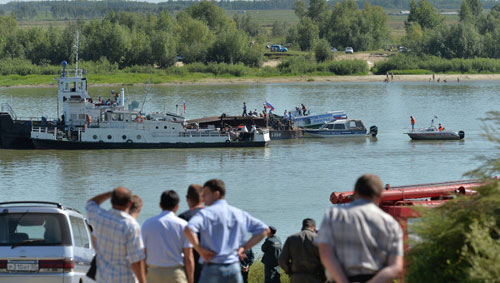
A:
[76,59]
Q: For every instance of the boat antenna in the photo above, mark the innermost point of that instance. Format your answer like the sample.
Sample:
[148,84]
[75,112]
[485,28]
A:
[147,90]
[76,58]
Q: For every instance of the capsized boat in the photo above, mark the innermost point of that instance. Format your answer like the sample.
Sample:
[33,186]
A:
[342,128]
[316,121]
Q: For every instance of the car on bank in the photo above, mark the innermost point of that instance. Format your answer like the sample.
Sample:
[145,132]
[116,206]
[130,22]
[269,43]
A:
[43,242]
[278,48]
[349,50]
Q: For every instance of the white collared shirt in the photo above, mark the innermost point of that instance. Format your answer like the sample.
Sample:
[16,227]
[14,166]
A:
[164,239]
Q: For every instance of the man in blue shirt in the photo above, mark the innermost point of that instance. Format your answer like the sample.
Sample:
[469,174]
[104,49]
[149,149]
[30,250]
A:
[223,230]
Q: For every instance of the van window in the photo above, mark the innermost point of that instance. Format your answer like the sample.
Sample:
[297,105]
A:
[80,234]
[34,229]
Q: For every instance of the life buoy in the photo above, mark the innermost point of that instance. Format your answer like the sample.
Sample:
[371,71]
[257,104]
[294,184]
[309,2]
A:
[139,119]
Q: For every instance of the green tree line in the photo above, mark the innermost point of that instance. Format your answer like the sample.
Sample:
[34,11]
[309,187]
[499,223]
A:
[477,34]
[96,9]
[200,33]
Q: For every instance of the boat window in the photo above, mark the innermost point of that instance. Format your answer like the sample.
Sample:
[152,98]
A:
[105,117]
[139,137]
[352,124]
[133,117]
[359,124]
[74,116]
[73,86]
[80,85]
[124,137]
[120,117]
[81,116]
[94,137]
[330,126]
[109,137]
[114,117]
[339,127]
[165,127]
[66,86]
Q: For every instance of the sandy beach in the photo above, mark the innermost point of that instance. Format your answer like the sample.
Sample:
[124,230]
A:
[449,78]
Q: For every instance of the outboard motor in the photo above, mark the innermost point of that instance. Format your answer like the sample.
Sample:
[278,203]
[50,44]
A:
[373,131]
[461,134]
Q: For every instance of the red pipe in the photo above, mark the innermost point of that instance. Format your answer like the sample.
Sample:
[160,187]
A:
[435,190]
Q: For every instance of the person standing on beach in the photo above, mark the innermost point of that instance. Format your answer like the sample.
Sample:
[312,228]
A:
[119,247]
[272,250]
[300,256]
[412,122]
[359,242]
[195,203]
[223,229]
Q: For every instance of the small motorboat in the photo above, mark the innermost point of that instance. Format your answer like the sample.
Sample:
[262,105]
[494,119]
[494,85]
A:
[433,133]
[342,128]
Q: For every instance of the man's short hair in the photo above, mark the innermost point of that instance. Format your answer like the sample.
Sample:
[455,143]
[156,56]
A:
[216,185]
[121,196]
[272,229]
[308,223]
[194,193]
[136,204]
[169,199]
[369,186]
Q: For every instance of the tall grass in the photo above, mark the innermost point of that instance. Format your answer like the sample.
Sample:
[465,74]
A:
[432,64]
[303,65]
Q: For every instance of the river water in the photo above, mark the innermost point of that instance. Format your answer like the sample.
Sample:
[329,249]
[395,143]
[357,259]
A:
[280,184]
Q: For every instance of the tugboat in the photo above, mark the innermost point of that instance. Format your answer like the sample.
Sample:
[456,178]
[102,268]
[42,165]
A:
[342,128]
[108,125]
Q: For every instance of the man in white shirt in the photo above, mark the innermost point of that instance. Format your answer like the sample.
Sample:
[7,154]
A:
[169,255]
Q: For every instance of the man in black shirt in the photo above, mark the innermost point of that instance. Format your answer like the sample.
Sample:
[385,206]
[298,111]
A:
[246,263]
[272,250]
[195,204]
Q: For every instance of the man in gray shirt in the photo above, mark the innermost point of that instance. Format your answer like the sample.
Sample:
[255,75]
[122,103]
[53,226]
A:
[359,242]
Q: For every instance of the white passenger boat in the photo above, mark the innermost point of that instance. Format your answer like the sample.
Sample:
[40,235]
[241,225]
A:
[342,128]
[88,124]
[432,133]
[316,121]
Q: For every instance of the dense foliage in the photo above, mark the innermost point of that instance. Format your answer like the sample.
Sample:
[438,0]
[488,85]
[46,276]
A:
[96,9]
[201,33]
[344,25]
[475,35]
[433,64]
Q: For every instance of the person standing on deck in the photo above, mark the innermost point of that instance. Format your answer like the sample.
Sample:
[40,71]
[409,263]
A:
[412,121]
[244,109]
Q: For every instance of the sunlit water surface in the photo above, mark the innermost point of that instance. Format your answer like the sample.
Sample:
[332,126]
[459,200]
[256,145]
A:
[280,184]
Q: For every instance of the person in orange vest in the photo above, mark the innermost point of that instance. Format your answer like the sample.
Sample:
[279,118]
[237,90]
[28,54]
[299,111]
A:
[440,128]
[412,121]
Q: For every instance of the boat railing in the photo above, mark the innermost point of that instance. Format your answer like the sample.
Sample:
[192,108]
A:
[69,73]
[47,130]
[202,134]
[7,109]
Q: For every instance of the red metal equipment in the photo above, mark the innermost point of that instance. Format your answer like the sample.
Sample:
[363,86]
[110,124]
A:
[399,201]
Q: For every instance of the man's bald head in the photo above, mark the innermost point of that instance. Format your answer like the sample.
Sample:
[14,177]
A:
[121,197]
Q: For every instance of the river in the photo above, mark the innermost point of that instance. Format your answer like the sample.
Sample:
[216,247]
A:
[280,184]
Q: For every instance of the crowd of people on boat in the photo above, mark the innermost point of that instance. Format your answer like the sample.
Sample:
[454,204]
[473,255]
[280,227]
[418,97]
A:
[210,241]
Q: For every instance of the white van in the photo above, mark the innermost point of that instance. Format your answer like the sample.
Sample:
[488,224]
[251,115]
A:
[43,242]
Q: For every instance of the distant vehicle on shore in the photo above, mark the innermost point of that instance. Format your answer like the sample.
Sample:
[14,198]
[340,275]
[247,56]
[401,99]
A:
[278,48]
[349,50]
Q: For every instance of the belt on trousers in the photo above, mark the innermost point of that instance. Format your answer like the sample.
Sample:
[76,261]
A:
[223,264]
